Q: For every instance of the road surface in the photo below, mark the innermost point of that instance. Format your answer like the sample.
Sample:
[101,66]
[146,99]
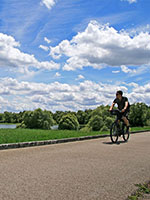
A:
[85,170]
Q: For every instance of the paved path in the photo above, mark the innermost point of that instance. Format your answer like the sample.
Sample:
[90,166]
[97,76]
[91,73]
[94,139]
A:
[86,170]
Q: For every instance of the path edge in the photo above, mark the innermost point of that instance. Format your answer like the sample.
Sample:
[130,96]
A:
[58,141]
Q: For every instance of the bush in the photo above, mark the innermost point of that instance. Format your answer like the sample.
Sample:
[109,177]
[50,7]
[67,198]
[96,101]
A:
[138,114]
[104,128]
[108,122]
[69,122]
[96,122]
[81,115]
[147,122]
[86,129]
[22,125]
[37,119]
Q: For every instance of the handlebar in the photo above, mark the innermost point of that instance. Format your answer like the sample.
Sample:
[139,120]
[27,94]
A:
[115,112]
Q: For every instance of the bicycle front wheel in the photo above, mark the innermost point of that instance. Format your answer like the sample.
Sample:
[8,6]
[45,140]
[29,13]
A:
[126,133]
[114,133]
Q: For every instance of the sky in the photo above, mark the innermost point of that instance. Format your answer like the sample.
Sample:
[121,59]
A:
[73,54]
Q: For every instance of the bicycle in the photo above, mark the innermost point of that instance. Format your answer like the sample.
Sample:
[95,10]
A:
[118,128]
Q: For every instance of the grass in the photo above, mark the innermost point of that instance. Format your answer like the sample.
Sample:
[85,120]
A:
[145,128]
[26,135]
[142,190]
[2,123]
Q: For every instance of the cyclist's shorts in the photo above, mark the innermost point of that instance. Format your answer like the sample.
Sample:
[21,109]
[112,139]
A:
[125,114]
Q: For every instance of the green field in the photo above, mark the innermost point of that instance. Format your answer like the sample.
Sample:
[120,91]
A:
[26,135]
[146,128]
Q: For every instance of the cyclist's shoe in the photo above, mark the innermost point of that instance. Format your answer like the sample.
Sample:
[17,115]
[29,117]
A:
[120,133]
[115,134]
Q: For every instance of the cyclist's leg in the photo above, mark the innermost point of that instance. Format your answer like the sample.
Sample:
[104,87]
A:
[119,117]
[125,119]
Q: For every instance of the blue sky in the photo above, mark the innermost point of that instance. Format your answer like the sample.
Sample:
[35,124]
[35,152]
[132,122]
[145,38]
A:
[73,54]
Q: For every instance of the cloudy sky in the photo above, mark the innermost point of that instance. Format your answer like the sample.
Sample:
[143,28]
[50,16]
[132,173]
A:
[73,54]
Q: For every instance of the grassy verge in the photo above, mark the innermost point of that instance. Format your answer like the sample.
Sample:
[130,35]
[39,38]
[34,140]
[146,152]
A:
[26,135]
[142,192]
[145,128]
[2,123]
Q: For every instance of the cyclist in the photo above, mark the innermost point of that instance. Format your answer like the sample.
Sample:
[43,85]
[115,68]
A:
[123,106]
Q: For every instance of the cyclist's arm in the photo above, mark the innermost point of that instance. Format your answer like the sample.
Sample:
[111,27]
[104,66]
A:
[111,107]
[125,107]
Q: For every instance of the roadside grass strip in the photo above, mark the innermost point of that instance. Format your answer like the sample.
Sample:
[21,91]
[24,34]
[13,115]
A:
[28,135]
[143,192]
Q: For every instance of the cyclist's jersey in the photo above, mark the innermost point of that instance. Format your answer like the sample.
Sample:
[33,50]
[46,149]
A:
[121,103]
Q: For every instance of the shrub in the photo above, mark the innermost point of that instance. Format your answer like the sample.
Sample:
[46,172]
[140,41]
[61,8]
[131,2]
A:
[81,115]
[46,125]
[147,122]
[108,122]
[86,129]
[96,123]
[137,115]
[104,128]
[22,125]
[37,119]
[69,122]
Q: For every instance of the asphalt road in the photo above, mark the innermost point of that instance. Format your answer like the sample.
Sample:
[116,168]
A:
[85,170]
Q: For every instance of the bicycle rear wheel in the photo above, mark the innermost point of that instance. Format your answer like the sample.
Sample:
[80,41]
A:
[114,133]
[126,133]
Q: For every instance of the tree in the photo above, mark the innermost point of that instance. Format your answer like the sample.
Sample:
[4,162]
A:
[38,119]
[108,122]
[1,117]
[57,116]
[138,114]
[104,128]
[96,122]
[69,122]
[20,116]
[8,117]
[88,113]
[81,116]
[15,117]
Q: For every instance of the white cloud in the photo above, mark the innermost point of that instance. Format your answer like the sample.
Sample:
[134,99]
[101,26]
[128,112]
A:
[142,89]
[45,48]
[130,1]
[57,74]
[132,84]
[3,103]
[56,96]
[47,40]
[134,72]
[101,45]
[125,69]
[80,77]
[137,30]
[48,3]
[115,72]
[12,57]
[59,96]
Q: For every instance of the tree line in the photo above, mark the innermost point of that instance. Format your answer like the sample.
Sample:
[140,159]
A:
[98,119]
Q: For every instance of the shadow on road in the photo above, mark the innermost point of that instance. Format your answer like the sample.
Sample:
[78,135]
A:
[117,143]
